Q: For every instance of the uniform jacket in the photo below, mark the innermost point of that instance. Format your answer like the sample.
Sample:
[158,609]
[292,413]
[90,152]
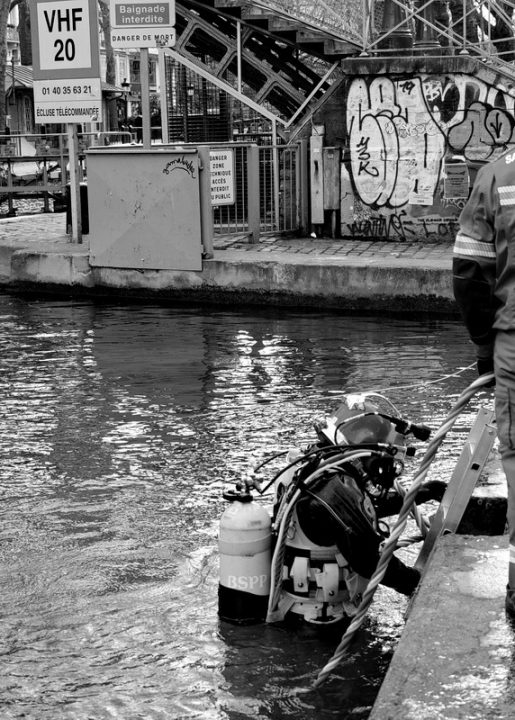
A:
[484,253]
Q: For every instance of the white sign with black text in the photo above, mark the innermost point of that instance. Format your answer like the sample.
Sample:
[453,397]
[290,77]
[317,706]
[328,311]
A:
[136,24]
[64,35]
[221,165]
[68,101]
[67,87]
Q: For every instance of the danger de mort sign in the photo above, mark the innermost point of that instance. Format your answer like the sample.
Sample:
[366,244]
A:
[142,24]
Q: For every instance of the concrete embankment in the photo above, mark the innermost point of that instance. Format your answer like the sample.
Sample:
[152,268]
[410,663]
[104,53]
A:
[355,275]
[456,655]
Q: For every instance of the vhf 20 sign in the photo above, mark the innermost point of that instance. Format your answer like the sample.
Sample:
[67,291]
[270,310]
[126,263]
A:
[67,87]
[65,39]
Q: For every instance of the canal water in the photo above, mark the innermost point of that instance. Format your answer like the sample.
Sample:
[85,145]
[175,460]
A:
[120,426]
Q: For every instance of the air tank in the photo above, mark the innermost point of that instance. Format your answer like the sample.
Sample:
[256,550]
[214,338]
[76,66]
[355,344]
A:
[244,543]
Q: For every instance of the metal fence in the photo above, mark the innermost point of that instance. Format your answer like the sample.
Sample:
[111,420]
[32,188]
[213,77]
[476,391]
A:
[268,182]
[269,190]
[35,166]
[48,144]
[199,110]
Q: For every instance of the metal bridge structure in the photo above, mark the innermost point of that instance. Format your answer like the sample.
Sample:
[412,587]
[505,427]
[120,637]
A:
[255,71]
[280,56]
[254,54]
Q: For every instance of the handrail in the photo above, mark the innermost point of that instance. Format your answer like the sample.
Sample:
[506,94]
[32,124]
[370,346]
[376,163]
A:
[25,144]
[333,17]
[34,174]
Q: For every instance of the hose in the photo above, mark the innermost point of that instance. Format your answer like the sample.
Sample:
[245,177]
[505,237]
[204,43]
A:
[391,543]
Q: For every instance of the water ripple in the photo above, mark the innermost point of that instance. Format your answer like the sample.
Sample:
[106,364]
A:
[119,427]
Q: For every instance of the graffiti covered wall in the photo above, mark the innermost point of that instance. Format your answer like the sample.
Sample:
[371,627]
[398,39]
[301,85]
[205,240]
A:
[412,147]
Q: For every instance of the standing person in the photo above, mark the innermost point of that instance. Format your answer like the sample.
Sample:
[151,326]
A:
[484,288]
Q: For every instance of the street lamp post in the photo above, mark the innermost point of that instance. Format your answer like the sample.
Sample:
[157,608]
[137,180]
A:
[188,109]
[14,59]
[126,86]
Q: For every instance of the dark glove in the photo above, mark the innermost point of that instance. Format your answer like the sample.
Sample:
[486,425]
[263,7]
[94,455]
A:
[485,362]
[485,365]
[400,577]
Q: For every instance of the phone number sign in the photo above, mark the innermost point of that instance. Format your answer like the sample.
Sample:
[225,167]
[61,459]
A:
[72,101]
[66,57]
[137,24]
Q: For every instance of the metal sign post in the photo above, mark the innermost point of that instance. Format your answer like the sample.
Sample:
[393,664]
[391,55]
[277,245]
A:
[75,202]
[67,88]
[145,97]
[135,24]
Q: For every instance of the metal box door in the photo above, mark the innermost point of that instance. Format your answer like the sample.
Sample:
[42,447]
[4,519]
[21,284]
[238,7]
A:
[144,209]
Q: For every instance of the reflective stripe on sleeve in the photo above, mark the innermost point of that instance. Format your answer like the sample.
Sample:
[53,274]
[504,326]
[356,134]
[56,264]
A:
[512,553]
[469,247]
[507,195]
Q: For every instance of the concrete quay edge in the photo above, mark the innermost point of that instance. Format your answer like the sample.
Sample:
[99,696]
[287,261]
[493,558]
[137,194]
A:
[456,656]
[355,275]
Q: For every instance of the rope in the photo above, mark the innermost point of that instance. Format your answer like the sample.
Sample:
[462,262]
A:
[418,386]
[391,543]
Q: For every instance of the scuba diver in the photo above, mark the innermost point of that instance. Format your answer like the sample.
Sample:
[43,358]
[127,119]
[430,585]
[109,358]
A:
[325,529]
[334,512]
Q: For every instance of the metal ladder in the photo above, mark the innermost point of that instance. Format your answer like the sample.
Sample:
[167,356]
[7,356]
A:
[462,483]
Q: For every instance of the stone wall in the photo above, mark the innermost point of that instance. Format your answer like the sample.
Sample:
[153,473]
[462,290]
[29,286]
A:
[413,134]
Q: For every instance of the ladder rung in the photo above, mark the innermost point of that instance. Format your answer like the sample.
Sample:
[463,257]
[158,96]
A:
[462,483]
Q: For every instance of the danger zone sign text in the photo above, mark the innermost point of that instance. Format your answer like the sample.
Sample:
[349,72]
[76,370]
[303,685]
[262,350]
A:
[221,165]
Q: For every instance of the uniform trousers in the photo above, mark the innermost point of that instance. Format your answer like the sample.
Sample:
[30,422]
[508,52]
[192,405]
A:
[504,368]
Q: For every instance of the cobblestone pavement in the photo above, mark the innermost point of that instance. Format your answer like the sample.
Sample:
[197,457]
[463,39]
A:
[339,246]
[40,227]
[51,227]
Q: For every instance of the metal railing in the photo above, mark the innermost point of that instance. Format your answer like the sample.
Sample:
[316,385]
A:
[270,193]
[340,19]
[30,144]
[484,30]
[269,182]
[36,165]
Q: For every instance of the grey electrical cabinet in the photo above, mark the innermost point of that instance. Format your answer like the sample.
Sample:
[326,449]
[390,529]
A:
[144,208]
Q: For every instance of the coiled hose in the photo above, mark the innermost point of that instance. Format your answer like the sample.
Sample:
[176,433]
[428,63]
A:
[391,543]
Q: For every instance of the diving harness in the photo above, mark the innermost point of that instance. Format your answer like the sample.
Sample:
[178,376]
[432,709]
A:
[283,513]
